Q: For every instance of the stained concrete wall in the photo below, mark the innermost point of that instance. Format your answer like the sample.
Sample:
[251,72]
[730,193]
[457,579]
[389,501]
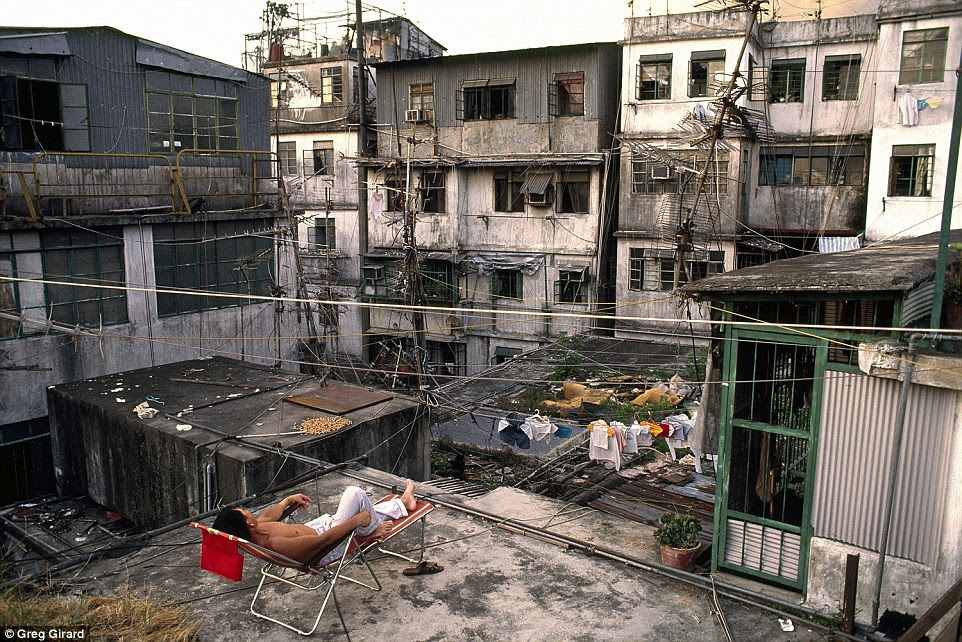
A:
[148,469]
[54,357]
[908,216]
[533,130]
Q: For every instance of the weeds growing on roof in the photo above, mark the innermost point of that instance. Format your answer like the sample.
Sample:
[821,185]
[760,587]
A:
[114,618]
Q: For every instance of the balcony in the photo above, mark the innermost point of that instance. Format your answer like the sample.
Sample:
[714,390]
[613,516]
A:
[67,184]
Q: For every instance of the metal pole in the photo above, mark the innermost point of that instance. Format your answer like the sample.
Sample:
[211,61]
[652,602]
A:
[362,173]
[907,367]
[950,176]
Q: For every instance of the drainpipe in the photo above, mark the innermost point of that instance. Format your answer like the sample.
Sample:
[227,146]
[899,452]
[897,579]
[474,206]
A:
[906,366]
[947,204]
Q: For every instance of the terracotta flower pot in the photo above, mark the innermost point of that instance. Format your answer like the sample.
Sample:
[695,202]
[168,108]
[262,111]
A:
[681,558]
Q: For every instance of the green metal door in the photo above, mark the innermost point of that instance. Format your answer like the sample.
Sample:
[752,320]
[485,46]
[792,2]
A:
[767,445]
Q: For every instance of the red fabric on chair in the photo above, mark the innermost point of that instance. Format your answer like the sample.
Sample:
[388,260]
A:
[220,556]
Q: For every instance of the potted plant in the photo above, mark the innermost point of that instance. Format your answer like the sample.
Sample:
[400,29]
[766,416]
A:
[678,536]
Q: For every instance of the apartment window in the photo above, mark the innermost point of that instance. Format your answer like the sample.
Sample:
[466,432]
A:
[507,192]
[323,235]
[446,358]
[698,268]
[432,192]
[396,187]
[910,170]
[653,78]
[567,94]
[812,166]
[703,68]
[652,177]
[9,292]
[923,55]
[570,286]
[786,81]
[422,98]
[506,284]
[42,115]
[840,77]
[437,277]
[573,190]
[287,155]
[636,268]
[184,112]
[331,85]
[486,99]
[88,258]
[233,256]
[322,159]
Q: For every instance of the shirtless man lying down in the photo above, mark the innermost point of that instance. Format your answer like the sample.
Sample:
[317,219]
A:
[303,542]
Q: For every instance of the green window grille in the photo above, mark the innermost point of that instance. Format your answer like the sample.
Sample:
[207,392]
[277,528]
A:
[910,170]
[89,259]
[786,81]
[234,257]
[186,112]
[923,55]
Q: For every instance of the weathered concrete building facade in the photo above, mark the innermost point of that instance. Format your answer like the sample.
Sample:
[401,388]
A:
[315,115]
[823,158]
[126,167]
[509,181]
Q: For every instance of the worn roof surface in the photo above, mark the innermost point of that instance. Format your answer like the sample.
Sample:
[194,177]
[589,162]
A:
[496,584]
[897,266]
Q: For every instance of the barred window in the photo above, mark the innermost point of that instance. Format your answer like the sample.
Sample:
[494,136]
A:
[786,81]
[88,258]
[232,256]
[818,165]
[840,77]
[636,268]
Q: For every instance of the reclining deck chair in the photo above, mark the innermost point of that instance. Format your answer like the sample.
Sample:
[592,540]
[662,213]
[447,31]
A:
[220,555]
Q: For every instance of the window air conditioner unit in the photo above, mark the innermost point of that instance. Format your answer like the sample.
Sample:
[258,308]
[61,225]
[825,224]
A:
[540,200]
[661,172]
[414,116]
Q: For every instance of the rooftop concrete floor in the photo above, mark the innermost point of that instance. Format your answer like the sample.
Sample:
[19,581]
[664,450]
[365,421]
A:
[496,585]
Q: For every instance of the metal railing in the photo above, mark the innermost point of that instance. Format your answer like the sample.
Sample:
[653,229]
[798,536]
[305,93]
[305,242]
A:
[83,183]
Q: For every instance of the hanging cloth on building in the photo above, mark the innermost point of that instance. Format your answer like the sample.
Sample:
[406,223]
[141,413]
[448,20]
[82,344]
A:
[631,437]
[511,433]
[908,110]
[538,428]
[376,205]
[641,432]
[613,442]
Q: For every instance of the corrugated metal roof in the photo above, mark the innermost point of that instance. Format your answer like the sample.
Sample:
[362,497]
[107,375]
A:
[898,266]
[537,184]
[37,44]
[153,54]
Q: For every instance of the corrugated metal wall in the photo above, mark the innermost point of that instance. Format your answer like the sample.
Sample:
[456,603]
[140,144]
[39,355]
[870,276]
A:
[105,60]
[533,73]
[854,459]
